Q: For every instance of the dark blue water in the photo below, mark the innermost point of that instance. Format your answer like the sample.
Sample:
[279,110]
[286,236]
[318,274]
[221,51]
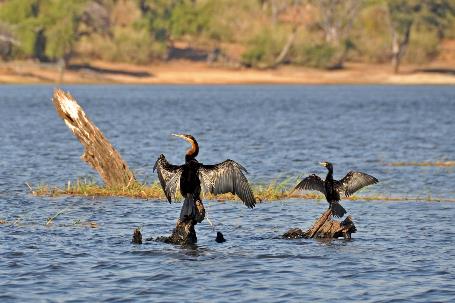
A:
[402,251]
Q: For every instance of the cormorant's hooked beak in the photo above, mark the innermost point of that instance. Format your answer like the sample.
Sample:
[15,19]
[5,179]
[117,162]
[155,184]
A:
[323,164]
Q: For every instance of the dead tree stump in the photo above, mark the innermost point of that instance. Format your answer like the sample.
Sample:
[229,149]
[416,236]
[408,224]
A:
[98,153]
[184,232]
[137,237]
[324,227]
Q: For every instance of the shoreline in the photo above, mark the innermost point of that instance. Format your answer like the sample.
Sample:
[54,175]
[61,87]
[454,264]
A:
[199,73]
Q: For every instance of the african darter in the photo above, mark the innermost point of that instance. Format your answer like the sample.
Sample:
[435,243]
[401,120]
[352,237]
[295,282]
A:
[191,177]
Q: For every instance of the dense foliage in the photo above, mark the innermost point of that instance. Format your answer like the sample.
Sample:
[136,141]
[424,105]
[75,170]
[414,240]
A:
[260,33]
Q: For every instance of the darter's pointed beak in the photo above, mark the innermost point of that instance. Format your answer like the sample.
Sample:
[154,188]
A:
[178,135]
[181,137]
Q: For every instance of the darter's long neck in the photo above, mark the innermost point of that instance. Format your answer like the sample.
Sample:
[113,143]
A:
[193,151]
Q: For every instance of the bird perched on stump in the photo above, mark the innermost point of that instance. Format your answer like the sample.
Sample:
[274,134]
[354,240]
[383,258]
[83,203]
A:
[334,189]
[192,177]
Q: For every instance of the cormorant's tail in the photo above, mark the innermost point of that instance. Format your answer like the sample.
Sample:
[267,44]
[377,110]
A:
[188,210]
[337,209]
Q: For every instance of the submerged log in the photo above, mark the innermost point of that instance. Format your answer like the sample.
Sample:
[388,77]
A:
[137,237]
[98,153]
[219,238]
[184,232]
[325,227]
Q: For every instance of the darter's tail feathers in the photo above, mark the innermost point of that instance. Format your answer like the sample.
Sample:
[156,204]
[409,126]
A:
[337,209]
[188,210]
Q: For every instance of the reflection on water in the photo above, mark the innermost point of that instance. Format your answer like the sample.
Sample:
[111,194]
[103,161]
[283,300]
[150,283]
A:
[402,251]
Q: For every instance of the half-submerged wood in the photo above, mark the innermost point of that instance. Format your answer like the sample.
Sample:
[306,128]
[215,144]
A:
[325,227]
[137,236]
[98,153]
[184,232]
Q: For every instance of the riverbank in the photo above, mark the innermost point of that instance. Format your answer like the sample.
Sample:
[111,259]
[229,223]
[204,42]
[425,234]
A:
[188,72]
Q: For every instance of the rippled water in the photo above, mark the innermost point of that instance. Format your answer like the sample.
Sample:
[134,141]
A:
[402,251]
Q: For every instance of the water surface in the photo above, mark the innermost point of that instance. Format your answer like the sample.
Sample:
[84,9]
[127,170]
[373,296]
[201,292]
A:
[402,251]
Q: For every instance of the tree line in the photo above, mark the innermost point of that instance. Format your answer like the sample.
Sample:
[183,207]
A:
[253,33]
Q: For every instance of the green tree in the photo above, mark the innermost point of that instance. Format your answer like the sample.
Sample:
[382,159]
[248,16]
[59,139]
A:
[156,17]
[336,20]
[46,29]
[61,20]
[21,16]
[404,14]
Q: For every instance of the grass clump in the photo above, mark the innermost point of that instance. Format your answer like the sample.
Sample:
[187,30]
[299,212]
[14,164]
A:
[272,191]
[87,187]
[263,49]
[437,163]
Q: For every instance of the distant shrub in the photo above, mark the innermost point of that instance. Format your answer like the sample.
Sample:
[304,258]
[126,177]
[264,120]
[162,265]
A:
[19,19]
[130,46]
[6,44]
[371,35]
[263,49]
[315,55]
[188,19]
[423,46]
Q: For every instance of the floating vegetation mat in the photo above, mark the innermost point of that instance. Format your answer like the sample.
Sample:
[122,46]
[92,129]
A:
[263,192]
[437,163]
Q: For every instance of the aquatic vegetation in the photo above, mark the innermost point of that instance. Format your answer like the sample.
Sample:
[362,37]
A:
[51,218]
[273,191]
[87,187]
[20,222]
[436,163]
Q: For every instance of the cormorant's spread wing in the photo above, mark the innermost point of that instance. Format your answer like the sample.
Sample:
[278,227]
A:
[312,182]
[169,176]
[227,177]
[354,181]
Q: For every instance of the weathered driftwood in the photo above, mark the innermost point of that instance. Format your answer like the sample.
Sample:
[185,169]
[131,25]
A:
[324,227]
[98,153]
[184,232]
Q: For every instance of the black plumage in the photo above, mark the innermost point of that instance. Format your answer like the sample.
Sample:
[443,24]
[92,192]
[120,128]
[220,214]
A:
[334,189]
[193,177]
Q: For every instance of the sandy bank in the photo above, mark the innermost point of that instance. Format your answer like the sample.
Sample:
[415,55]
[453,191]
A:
[185,72]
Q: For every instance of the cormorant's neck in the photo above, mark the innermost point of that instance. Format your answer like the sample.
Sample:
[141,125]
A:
[329,174]
[192,152]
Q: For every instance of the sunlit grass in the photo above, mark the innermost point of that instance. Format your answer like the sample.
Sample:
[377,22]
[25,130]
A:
[436,163]
[84,187]
[48,222]
[272,191]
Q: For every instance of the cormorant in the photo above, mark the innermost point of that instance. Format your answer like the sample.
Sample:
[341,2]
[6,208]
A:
[333,189]
[191,177]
